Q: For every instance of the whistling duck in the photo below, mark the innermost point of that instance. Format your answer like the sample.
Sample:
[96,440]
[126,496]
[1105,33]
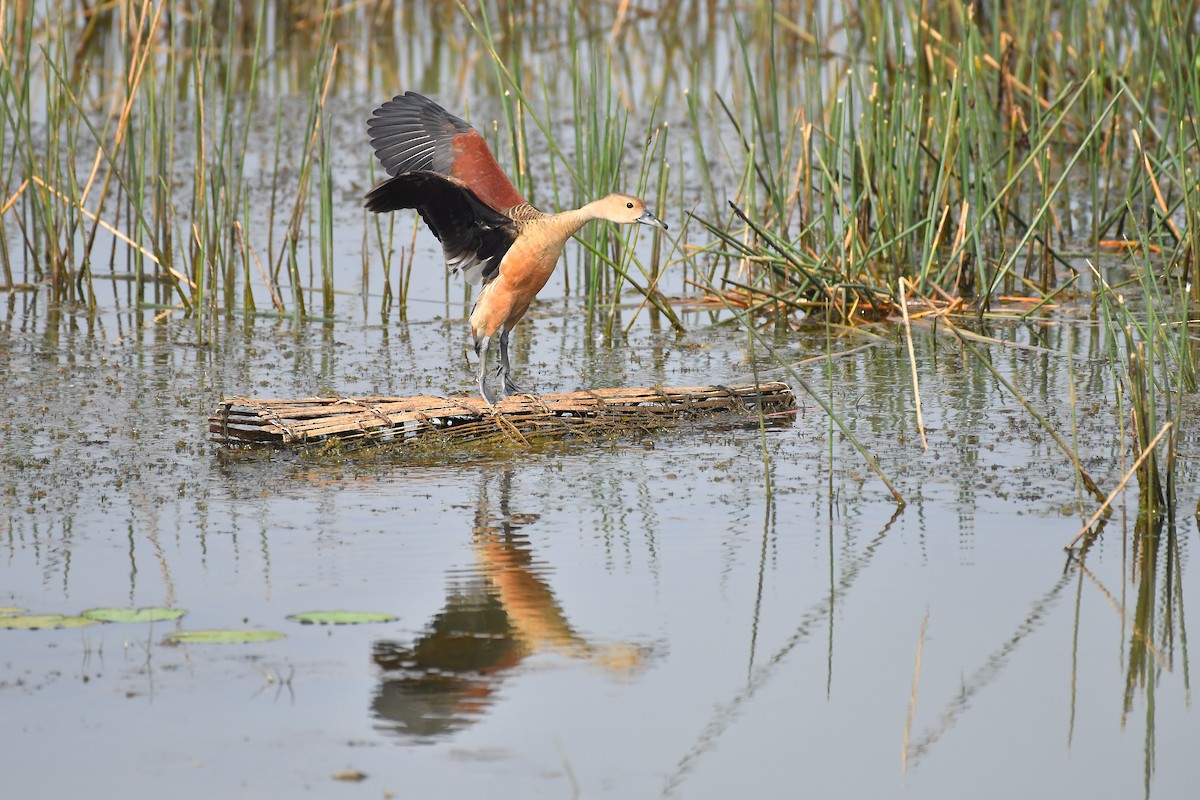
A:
[443,168]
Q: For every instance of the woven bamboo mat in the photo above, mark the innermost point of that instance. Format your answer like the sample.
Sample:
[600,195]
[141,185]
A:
[309,420]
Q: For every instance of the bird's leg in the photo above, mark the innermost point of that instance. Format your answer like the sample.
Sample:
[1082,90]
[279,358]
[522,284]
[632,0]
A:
[481,349]
[505,369]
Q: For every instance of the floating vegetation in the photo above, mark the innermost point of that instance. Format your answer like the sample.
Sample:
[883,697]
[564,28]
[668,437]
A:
[223,637]
[341,617]
[133,615]
[39,622]
[15,618]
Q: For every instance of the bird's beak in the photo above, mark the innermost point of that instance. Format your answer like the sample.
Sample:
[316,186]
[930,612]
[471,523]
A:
[649,219]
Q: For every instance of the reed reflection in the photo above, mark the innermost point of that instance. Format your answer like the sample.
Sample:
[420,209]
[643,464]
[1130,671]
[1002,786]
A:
[1158,637]
[502,612]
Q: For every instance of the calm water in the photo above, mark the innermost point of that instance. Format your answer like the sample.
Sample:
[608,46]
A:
[627,619]
[712,611]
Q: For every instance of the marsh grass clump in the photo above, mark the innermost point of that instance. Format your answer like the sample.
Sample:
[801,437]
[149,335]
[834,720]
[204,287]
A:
[970,156]
[921,141]
[136,166]
[1152,358]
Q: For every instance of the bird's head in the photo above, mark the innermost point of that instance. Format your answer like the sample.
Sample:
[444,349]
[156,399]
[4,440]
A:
[626,209]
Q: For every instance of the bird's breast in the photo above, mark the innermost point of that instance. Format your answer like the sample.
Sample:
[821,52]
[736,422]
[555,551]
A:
[530,262]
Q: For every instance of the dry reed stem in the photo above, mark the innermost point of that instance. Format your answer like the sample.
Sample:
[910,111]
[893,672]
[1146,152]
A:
[1158,195]
[1037,169]
[912,363]
[9,202]
[298,205]
[823,357]
[507,427]
[1014,298]
[1120,486]
[179,276]
[941,228]
[1122,244]
[1013,83]
[333,13]
[1009,79]
[960,236]
[618,23]
[790,25]
[139,66]
[953,300]
[934,310]
[795,200]
[237,227]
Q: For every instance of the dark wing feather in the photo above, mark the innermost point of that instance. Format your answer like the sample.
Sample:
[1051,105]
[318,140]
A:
[411,133]
[474,236]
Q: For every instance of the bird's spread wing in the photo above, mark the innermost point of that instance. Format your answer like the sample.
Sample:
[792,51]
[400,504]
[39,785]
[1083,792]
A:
[474,236]
[411,133]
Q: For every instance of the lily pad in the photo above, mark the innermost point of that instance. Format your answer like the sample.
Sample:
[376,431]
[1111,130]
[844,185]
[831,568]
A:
[340,617]
[223,637]
[36,622]
[134,614]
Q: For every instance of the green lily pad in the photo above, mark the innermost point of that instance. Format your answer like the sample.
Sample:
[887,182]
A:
[10,611]
[134,614]
[35,622]
[340,617]
[223,637]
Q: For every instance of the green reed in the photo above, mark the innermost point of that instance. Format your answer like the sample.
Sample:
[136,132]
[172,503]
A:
[326,219]
[600,129]
[923,143]
[948,155]
[944,149]
[596,164]
[1153,362]
[97,165]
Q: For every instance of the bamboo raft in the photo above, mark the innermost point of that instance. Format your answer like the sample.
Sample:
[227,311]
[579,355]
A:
[403,420]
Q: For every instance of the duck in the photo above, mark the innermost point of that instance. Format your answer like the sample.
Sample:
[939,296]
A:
[440,166]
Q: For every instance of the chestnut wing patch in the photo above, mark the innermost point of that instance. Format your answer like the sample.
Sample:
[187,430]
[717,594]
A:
[411,133]
[474,236]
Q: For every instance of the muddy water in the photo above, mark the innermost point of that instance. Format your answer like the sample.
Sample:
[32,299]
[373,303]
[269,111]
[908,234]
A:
[636,617]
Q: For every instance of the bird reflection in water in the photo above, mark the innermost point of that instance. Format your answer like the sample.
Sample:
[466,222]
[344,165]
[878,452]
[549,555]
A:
[501,613]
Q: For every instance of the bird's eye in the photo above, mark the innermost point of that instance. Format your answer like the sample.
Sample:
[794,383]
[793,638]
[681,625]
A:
[629,205]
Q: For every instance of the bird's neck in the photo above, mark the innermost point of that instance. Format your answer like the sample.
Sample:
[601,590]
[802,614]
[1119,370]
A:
[571,221]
